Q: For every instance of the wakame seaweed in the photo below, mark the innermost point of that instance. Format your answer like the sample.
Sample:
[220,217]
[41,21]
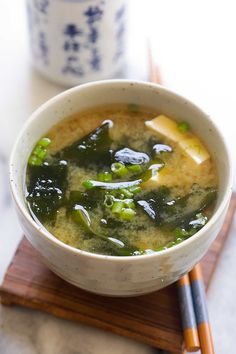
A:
[131,157]
[78,206]
[46,189]
[171,213]
[153,202]
[89,199]
[92,149]
[183,209]
[158,149]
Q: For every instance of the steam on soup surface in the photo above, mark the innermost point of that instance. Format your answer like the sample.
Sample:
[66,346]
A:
[121,180]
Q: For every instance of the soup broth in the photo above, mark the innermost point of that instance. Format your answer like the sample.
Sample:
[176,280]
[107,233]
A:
[110,182]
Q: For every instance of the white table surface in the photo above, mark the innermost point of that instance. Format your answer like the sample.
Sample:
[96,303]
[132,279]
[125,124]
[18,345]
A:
[194,43]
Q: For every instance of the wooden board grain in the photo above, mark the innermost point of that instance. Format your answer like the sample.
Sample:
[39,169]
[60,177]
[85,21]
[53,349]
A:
[153,319]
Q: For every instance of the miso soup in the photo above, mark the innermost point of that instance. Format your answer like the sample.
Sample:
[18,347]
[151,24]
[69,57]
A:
[121,180]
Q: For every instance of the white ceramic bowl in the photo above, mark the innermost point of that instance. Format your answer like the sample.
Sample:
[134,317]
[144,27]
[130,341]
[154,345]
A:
[108,275]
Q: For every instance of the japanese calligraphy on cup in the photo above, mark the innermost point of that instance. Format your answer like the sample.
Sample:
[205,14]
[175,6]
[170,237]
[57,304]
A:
[75,41]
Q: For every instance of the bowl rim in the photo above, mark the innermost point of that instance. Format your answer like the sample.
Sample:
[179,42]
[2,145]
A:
[56,242]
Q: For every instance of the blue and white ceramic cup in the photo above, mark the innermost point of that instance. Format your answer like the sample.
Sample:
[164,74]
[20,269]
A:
[75,41]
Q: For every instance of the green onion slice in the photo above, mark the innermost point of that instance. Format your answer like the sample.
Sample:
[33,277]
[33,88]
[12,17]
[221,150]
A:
[89,184]
[135,168]
[183,127]
[119,169]
[105,177]
[127,214]
[117,207]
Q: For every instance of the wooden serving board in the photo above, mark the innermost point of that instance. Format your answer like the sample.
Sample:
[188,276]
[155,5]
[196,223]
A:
[153,319]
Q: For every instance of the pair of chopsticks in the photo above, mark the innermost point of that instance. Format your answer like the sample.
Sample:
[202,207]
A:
[193,308]
[194,314]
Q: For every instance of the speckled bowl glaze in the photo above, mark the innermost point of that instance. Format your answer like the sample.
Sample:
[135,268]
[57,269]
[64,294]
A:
[108,275]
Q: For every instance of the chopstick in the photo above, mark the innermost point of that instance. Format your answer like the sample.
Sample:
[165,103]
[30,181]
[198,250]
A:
[191,338]
[200,307]
[154,71]
[193,308]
